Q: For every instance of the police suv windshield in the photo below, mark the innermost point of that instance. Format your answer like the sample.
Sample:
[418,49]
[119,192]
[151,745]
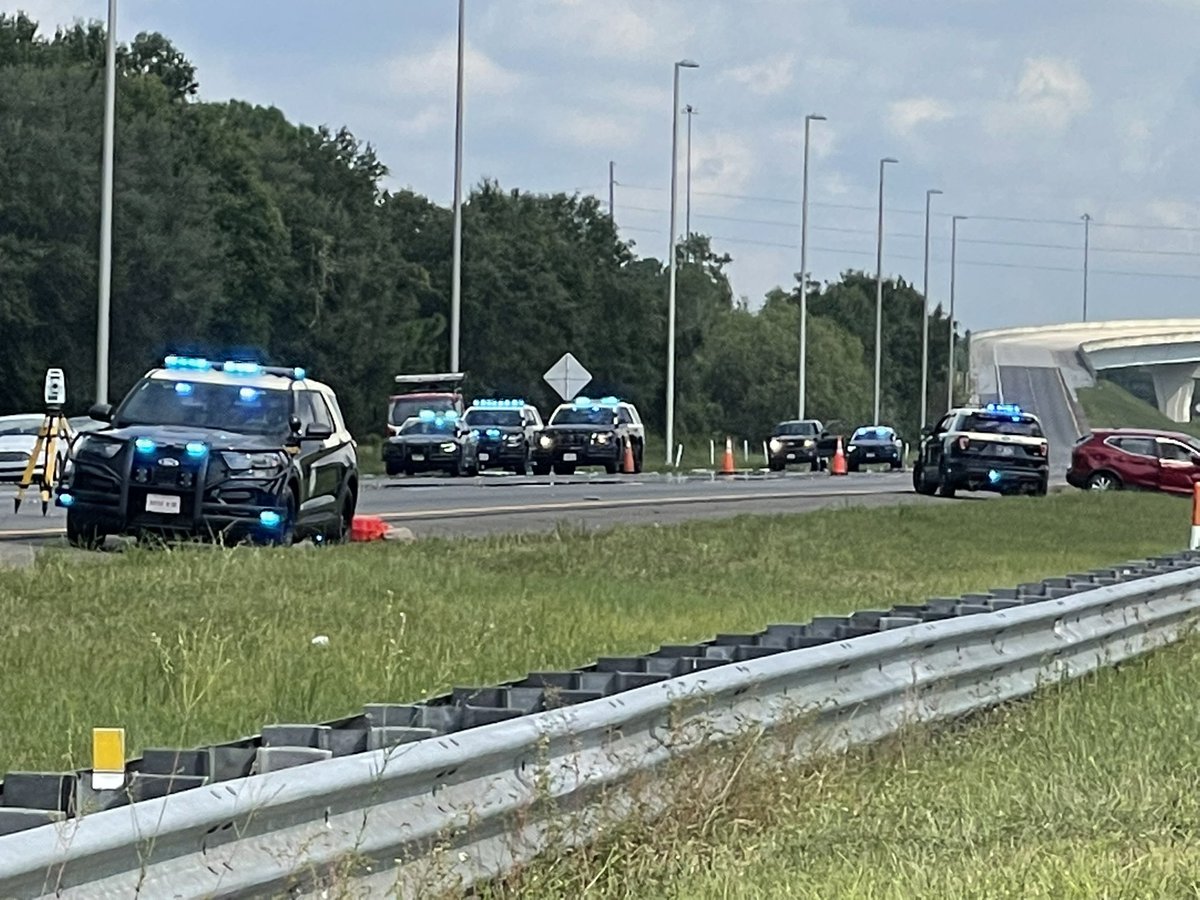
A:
[479,418]
[583,415]
[993,423]
[428,426]
[805,429]
[403,408]
[219,406]
[873,434]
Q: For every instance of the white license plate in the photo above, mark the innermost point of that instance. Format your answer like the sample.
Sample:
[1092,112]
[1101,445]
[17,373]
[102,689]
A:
[569,457]
[791,456]
[162,503]
[485,456]
[869,455]
[418,457]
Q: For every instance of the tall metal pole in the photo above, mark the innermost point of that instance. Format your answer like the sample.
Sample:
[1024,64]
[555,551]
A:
[925,318]
[612,182]
[953,268]
[801,400]
[1087,220]
[456,271]
[687,64]
[104,294]
[879,290]
[687,216]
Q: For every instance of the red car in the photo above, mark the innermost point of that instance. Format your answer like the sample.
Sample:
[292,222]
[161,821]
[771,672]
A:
[1115,458]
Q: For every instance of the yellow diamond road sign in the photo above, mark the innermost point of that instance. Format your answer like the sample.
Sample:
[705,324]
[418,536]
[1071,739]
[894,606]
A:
[568,376]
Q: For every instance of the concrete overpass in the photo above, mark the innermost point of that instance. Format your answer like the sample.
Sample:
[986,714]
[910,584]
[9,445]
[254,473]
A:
[1042,367]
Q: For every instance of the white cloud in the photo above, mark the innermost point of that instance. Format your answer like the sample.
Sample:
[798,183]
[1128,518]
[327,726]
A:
[721,162]
[906,116]
[767,77]
[589,129]
[1049,95]
[433,71]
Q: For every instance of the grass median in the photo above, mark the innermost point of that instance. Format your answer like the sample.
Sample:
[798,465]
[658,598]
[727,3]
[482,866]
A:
[196,644]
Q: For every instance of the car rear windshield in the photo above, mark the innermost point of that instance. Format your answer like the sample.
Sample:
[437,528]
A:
[226,407]
[984,423]
[582,415]
[807,429]
[26,426]
[480,418]
[402,408]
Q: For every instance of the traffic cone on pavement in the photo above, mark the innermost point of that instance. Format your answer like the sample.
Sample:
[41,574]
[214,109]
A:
[727,462]
[627,459]
[838,465]
[368,528]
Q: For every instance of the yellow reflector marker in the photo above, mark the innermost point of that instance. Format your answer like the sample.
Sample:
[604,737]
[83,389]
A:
[108,759]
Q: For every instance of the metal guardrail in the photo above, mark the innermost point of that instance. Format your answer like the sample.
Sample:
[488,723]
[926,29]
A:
[476,788]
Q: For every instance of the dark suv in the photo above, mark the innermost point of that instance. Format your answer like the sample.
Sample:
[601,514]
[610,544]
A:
[506,432]
[590,432]
[222,450]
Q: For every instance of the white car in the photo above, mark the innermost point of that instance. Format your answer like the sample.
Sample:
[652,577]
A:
[18,435]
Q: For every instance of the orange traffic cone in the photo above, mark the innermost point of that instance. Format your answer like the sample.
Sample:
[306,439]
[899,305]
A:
[368,528]
[838,466]
[727,462]
[627,459]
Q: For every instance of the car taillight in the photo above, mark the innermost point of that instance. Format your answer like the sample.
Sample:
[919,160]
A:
[964,443]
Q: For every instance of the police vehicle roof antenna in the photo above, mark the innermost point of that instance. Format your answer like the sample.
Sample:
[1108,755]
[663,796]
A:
[54,428]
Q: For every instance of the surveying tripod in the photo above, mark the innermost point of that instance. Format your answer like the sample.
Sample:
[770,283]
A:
[54,429]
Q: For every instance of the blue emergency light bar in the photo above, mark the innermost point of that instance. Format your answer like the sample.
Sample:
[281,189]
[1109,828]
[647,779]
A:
[232,366]
[439,419]
[1004,409]
[596,404]
[485,403]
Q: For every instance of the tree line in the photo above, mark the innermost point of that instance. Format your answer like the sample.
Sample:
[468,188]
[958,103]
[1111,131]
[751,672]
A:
[237,231]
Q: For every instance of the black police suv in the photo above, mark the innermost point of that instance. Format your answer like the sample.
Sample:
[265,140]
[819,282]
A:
[215,450]
[795,441]
[874,444]
[432,441]
[505,433]
[590,432]
[998,448]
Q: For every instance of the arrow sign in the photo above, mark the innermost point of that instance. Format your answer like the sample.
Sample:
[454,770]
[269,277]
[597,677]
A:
[567,376]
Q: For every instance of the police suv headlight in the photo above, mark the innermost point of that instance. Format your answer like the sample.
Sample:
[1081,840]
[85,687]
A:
[850,448]
[93,446]
[254,465]
[602,437]
[545,442]
[808,443]
[776,445]
[449,447]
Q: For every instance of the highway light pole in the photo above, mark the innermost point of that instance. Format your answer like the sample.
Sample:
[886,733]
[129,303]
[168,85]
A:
[953,268]
[1087,221]
[687,215]
[612,183]
[682,64]
[104,288]
[456,270]
[925,318]
[801,402]
[879,289]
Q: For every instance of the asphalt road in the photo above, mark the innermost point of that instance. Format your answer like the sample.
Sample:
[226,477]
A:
[504,503]
[1041,390]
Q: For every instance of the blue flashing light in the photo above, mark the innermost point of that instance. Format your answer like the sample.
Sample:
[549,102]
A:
[583,401]
[247,394]
[1008,409]
[475,434]
[268,518]
[993,476]
[195,449]
[183,389]
[609,401]
[426,415]
[66,500]
[299,374]
[144,445]
[451,415]
[487,403]
[194,363]
[493,433]
[238,367]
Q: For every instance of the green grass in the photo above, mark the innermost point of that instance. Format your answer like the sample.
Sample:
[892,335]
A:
[197,644]
[1108,405]
[1090,789]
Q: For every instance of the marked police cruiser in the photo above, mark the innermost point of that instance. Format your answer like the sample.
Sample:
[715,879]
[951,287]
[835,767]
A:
[998,447]
[505,433]
[209,449]
[588,432]
[432,441]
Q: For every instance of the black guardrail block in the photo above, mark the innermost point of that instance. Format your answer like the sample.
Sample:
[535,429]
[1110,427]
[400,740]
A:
[160,761]
[39,790]
[312,736]
[391,735]
[231,760]
[14,819]
[272,759]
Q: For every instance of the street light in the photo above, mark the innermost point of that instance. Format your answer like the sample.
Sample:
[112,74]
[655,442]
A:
[879,288]
[953,266]
[456,270]
[925,317]
[811,117]
[104,293]
[1087,221]
[687,216]
[682,64]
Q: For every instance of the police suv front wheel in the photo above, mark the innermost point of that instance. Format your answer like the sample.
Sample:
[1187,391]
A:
[83,533]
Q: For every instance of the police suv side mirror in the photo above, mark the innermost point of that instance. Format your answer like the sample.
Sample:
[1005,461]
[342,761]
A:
[316,432]
[101,412]
[294,424]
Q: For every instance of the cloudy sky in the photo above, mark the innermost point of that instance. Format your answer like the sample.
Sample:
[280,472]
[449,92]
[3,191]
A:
[1026,114]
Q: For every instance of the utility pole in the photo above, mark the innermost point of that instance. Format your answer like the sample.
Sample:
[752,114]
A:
[953,268]
[801,403]
[687,227]
[104,294]
[1087,221]
[879,291]
[456,270]
[612,183]
[925,319]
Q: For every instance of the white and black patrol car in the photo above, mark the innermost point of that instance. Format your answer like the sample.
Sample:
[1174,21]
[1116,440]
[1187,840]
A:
[590,432]
[505,432]
[214,449]
[998,447]
[432,441]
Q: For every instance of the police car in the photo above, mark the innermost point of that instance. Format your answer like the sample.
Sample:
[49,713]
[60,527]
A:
[211,449]
[998,447]
[432,441]
[505,433]
[589,432]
